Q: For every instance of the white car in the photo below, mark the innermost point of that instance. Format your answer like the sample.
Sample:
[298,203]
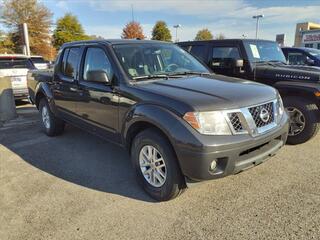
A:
[39,62]
[16,67]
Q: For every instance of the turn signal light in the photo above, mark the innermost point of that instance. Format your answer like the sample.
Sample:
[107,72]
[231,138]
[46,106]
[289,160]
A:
[191,118]
[317,94]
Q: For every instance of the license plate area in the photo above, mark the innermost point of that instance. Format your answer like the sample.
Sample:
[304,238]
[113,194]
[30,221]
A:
[19,81]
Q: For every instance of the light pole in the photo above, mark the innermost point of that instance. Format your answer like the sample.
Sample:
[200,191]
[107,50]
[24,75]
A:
[176,27]
[257,24]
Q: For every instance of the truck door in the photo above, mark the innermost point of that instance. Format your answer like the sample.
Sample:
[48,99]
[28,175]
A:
[223,59]
[98,105]
[65,82]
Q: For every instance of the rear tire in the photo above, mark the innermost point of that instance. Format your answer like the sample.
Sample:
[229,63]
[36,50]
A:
[169,183]
[304,119]
[51,125]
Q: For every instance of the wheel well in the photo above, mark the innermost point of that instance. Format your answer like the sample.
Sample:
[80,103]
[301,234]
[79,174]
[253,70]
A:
[138,127]
[298,93]
[39,96]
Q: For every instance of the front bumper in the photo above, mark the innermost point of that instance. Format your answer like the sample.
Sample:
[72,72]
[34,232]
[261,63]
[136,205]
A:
[233,153]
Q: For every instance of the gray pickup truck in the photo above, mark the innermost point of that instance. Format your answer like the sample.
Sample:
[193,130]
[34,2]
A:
[180,123]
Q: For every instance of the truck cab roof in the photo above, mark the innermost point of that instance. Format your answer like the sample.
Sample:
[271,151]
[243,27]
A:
[235,40]
[111,42]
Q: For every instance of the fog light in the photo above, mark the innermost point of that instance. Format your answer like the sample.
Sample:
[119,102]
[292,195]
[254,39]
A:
[213,165]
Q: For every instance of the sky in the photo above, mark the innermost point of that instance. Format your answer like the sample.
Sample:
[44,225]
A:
[233,18]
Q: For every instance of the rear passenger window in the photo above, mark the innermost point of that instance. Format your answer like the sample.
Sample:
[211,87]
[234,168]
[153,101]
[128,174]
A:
[64,60]
[200,52]
[70,62]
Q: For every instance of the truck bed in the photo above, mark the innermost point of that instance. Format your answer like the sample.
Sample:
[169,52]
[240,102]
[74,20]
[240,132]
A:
[35,77]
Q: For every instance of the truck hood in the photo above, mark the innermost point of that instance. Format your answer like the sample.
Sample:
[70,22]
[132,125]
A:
[288,72]
[213,92]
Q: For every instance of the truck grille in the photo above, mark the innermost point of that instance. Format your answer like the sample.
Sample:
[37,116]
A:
[235,121]
[262,115]
[254,120]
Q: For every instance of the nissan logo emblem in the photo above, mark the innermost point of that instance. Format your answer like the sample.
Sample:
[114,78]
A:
[264,115]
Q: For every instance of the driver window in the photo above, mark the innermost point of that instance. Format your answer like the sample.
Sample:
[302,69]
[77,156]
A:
[221,56]
[96,59]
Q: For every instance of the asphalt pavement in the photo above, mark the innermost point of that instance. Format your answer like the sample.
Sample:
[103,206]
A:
[77,186]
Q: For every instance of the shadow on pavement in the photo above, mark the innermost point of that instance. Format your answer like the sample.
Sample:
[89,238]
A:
[77,157]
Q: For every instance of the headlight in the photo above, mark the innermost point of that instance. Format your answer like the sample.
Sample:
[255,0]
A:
[208,123]
[280,108]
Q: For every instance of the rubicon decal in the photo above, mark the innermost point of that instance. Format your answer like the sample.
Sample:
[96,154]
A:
[278,75]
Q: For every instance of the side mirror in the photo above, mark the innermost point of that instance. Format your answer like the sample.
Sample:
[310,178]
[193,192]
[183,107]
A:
[98,76]
[227,63]
[238,63]
[310,62]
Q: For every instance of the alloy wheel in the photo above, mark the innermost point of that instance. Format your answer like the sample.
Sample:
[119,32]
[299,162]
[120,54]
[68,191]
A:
[297,121]
[152,166]
[45,117]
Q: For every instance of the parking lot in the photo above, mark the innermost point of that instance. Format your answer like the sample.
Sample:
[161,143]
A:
[76,186]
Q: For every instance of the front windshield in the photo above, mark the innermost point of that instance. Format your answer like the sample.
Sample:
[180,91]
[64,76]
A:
[152,59]
[314,52]
[262,51]
[38,60]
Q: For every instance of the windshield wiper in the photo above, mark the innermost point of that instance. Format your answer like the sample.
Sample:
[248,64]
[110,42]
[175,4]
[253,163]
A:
[277,61]
[150,76]
[270,62]
[190,73]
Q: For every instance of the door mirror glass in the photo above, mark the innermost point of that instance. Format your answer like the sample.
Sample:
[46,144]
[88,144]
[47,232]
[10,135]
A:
[309,61]
[238,63]
[98,76]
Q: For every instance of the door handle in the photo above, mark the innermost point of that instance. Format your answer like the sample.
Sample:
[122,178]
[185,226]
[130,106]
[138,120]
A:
[74,89]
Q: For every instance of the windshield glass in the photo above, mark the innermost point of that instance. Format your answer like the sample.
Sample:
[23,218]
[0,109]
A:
[38,60]
[261,51]
[8,63]
[156,59]
[314,52]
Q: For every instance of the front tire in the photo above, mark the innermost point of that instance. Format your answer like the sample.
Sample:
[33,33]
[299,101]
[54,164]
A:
[304,120]
[156,165]
[51,125]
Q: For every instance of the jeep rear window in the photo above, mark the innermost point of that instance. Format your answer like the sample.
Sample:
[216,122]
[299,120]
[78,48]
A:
[9,63]
[156,59]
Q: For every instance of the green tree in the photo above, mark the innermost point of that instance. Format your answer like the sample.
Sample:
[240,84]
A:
[132,30]
[68,29]
[220,36]
[204,34]
[6,43]
[38,18]
[161,32]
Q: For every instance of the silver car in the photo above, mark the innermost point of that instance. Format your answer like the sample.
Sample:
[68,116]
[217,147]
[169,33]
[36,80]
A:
[16,67]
